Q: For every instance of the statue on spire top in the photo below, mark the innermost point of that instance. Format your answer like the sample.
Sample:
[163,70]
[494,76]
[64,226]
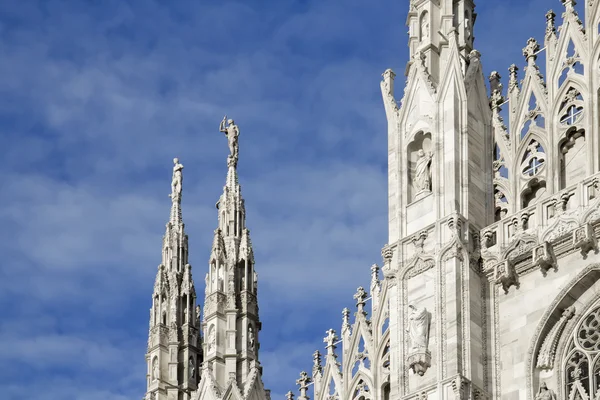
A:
[177,181]
[232,132]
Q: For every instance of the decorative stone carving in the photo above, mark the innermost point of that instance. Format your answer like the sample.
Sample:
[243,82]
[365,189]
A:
[303,383]
[211,343]
[460,387]
[232,132]
[547,352]
[419,358]
[361,297]
[317,366]
[422,174]
[544,393]
[530,51]
[584,239]
[418,266]
[543,258]
[505,275]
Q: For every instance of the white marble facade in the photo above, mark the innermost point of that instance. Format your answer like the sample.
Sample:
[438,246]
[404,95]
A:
[489,286]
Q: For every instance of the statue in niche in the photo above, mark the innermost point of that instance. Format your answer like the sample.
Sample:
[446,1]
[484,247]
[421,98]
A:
[198,314]
[544,393]
[177,182]
[212,339]
[232,132]
[191,369]
[425,27]
[250,338]
[422,180]
[467,25]
[155,369]
[418,328]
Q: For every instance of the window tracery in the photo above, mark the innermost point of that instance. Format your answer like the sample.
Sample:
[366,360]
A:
[533,160]
[582,363]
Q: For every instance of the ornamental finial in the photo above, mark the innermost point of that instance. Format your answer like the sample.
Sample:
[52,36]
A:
[232,132]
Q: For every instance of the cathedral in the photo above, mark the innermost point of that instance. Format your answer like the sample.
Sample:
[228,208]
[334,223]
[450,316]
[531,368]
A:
[489,285]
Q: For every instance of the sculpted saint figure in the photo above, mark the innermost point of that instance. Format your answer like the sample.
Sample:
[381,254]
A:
[418,328]
[544,393]
[232,132]
[250,338]
[212,340]
[422,179]
[191,369]
[177,181]
[155,369]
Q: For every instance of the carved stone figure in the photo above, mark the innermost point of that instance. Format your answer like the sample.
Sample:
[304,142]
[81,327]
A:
[250,338]
[198,314]
[155,369]
[212,339]
[422,180]
[425,27]
[177,182]
[191,369]
[418,328]
[232,132]
[544,393]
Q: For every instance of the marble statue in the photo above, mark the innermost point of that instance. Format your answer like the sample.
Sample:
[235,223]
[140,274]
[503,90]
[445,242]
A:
[177,181]
[155,369]
[418,328]
[250,337]
[232,132]
[212,340]
[425,28]
[544,393]
[422,180]
[191,369]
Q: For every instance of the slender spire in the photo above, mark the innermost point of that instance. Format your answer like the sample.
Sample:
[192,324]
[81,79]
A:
[231,309]
[174,337]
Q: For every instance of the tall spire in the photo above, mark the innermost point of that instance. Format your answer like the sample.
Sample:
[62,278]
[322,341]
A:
[231,308]
[173,341]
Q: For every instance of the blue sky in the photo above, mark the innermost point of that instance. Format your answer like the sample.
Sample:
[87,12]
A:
[97,97]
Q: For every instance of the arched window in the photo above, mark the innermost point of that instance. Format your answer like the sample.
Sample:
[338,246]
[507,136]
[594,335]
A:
[582,363]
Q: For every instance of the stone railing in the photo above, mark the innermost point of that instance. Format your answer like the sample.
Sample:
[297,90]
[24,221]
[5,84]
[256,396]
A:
[536,235]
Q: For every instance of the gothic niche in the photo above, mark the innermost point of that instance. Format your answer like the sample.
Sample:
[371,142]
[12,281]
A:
[419,356]
[424,26]
[191,370]
[419,166]
[572,157]
[251,339]
[155,369]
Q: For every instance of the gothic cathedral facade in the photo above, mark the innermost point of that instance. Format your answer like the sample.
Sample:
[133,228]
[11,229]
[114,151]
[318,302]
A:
[489,286]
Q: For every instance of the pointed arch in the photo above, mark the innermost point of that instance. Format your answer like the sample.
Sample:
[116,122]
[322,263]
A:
[581,290]
[361,386]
